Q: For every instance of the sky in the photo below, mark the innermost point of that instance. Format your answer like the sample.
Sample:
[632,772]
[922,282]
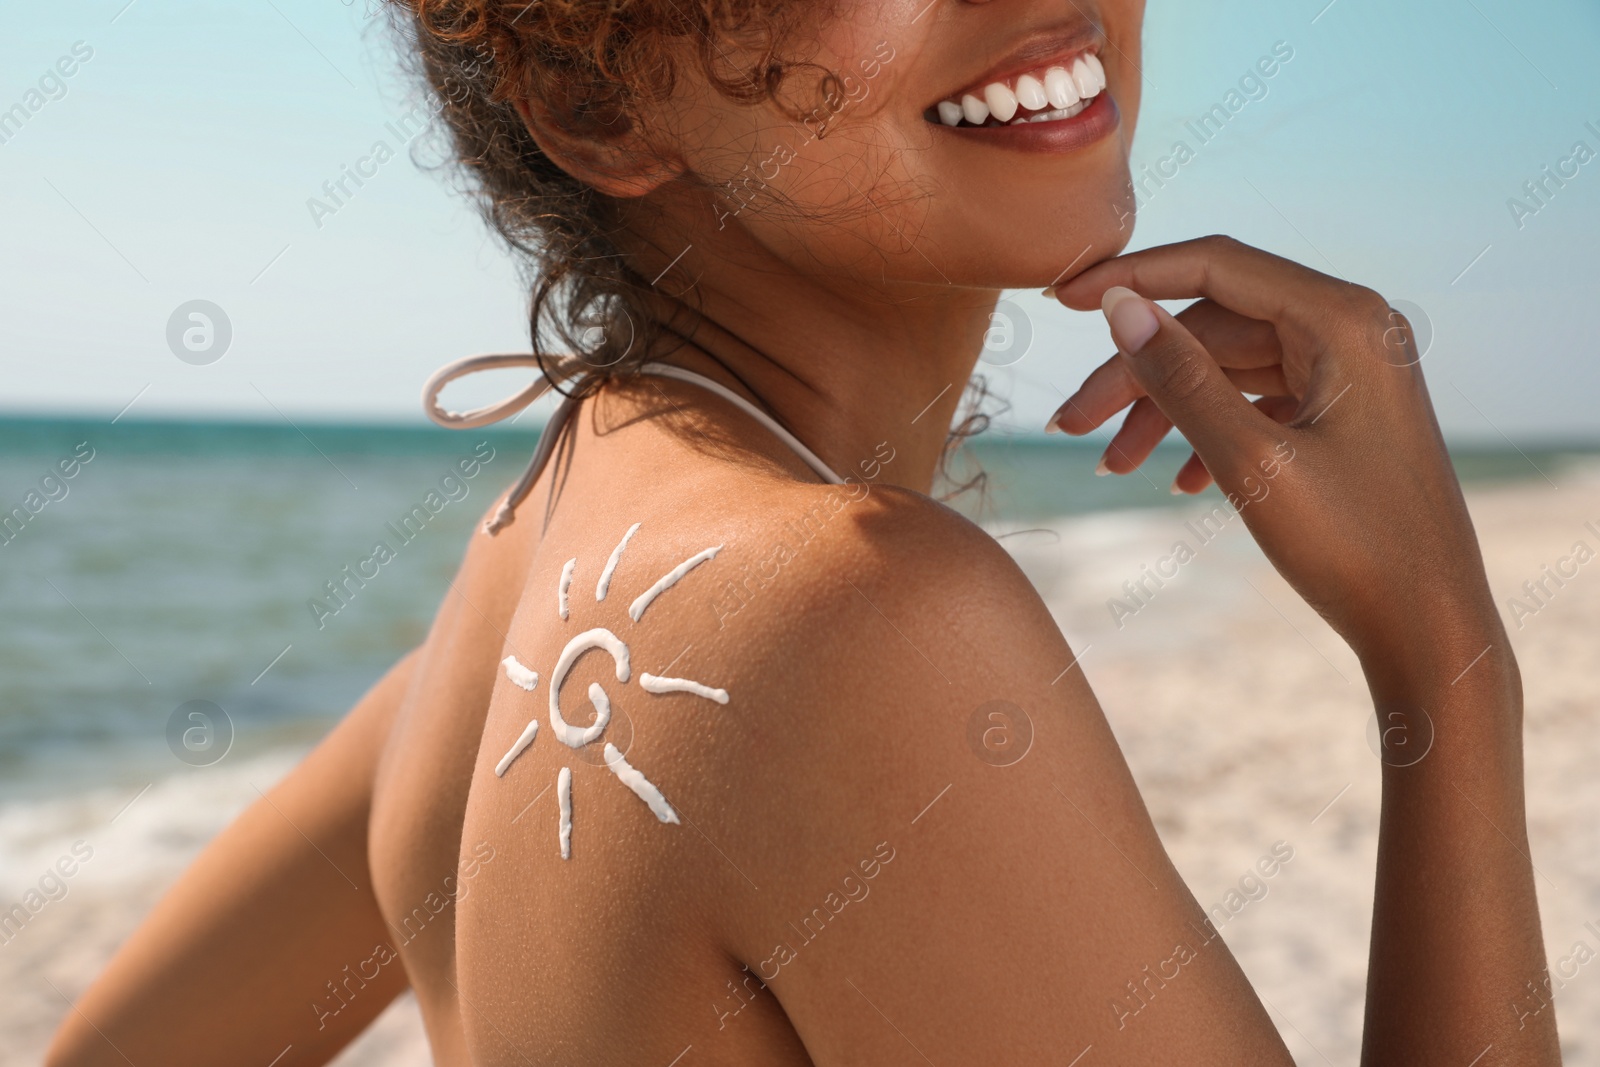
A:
[175,163]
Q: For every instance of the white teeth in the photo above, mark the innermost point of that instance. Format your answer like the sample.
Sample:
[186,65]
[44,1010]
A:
[1002,101]
[1030,93]
[1064,90]
[1082,79]
[1099,72]
[1052,115]
[1059,88]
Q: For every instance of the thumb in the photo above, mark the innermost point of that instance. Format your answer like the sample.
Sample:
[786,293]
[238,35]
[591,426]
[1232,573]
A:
[1183,380]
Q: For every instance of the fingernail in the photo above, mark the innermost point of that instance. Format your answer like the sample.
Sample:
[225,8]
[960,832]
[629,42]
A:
[1101,469]
[1132,319]
[1054,425]
[1175,490]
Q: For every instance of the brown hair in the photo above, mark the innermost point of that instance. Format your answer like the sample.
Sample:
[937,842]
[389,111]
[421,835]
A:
[590,60]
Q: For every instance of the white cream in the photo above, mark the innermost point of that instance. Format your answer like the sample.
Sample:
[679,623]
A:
[668,580]
[654,684]
[529,732]
[604,585]
[640,785]
[566,583]
[520,676]
[578,736]
[564,798]
[600,637]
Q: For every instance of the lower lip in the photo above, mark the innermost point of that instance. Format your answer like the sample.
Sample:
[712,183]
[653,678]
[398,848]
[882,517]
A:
[1062,135]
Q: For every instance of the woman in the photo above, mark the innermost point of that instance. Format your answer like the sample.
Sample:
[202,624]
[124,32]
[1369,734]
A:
[763,837]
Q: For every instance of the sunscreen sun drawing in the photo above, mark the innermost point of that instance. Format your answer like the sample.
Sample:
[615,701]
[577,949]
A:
[576,737]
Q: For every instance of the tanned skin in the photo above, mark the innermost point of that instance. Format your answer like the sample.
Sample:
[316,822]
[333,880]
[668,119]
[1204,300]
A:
[810,906]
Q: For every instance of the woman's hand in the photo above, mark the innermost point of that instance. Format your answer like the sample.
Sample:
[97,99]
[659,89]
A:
[1341,475]
[1339,469]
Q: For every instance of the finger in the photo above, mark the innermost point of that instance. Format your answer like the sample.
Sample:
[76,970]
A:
[1111,387]
[1233,340]
[1141,432]
[1108,389]
[1267,381]
[1243,279]
[1278,408]
[1184,381]
[1193,477]
[1146,427]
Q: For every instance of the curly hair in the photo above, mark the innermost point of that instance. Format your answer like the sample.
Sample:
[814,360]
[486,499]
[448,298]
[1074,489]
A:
[592,61]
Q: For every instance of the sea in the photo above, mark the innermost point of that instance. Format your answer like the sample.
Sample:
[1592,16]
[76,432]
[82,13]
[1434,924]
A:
[171,645]
[166,605]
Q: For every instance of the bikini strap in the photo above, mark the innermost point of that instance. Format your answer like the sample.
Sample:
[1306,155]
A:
[554,427]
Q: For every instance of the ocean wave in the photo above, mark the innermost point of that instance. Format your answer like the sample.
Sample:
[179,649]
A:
[135,835]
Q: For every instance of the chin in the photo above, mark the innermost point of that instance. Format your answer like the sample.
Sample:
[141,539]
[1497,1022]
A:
[1071,226]
[1031,160]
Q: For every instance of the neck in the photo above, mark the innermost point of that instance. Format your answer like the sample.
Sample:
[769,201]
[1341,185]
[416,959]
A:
[845,367]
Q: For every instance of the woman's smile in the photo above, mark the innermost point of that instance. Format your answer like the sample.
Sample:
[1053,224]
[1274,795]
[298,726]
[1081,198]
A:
[1049,94]
[1048,130]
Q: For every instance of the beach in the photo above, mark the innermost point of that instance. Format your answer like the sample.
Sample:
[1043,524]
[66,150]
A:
[1243,717]
[1245,721]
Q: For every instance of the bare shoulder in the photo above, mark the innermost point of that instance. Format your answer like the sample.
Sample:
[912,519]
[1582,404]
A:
[805,547]
[883,647]
[911,807]
[856,620]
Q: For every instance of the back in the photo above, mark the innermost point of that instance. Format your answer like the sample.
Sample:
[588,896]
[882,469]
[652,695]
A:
[592,898]
[814,869]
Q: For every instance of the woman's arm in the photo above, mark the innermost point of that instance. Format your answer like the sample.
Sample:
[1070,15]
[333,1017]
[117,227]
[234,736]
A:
[1455,925]
[228,966]
[1368,523]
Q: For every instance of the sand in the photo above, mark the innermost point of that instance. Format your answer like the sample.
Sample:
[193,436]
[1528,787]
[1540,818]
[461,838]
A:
[1242,715]
[1244,718]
